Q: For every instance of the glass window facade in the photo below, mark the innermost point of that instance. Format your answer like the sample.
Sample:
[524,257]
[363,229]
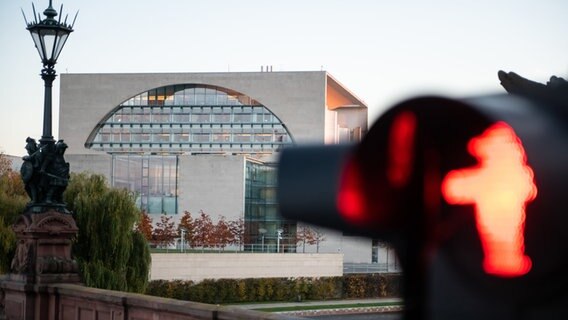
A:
[153,179]
[145,134]
[262,220]
[190,119]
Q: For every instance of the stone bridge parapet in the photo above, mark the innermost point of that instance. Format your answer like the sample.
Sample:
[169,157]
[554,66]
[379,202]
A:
[76,302]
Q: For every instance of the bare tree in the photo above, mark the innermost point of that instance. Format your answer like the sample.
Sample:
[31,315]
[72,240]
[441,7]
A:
[237,228]
[304,235]
[309,235]
[318,238]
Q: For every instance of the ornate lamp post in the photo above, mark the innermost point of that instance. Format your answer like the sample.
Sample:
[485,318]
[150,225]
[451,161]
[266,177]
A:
[45,230]
[49,36]
[44,170]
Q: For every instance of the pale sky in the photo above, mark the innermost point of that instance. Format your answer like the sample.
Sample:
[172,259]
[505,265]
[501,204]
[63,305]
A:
[383,51]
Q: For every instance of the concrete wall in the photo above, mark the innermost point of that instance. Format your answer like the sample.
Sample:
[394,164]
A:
[344,118]
[196,267]
[357,249]
[352,117]
[100,163]
[212,183]
[353,249]
[297,98]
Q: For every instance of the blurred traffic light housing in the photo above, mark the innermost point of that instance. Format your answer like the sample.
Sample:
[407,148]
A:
[470,192]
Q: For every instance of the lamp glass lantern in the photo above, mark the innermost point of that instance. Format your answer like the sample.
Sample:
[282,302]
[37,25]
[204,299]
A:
[49,36]
[49,41]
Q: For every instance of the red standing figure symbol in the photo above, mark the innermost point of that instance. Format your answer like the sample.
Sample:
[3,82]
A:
[499,187]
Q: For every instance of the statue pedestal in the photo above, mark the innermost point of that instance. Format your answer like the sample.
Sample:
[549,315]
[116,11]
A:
[43,256]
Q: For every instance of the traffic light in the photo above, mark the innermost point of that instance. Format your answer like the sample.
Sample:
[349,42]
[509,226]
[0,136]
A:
[471,193]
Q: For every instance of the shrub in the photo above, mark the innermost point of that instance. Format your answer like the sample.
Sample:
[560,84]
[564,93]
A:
[278,289]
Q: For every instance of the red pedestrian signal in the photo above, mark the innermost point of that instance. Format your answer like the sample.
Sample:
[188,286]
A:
[499,187]
[471,193]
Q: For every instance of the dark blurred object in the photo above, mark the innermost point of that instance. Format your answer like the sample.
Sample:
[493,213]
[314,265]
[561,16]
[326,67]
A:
[556,89]
[391,187]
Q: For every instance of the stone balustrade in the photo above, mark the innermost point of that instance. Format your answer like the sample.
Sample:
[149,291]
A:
[71,301]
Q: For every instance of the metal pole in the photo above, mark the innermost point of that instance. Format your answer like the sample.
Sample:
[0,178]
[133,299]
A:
[182,240]
[48,76]
[278,238]
[387,258]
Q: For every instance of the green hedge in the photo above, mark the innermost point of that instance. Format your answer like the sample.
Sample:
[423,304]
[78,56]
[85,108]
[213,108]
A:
[222,291]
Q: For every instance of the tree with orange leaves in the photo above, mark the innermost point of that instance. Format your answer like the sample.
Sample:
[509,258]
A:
[165,231]
[222,235]
[144,226]
[204,228]
[187,223]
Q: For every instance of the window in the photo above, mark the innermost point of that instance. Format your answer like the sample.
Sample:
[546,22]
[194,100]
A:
[261,212]
[152,179]
[212,117]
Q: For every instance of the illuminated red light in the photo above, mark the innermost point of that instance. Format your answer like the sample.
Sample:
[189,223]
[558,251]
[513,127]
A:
[500,186]
[401,147]
[350,198]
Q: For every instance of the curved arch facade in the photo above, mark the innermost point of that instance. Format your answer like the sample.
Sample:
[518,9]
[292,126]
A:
[190,118]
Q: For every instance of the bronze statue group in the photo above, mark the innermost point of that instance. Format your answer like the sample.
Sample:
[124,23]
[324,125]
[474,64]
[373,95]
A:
[45,172]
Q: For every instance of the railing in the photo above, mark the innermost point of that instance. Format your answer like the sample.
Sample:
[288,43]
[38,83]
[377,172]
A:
[270,248]
[370,267]
[213,248]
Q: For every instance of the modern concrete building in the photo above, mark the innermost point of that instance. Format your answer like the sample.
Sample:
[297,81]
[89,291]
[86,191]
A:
[208,141]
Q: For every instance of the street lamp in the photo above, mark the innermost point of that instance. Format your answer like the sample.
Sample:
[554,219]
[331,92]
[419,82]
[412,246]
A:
[45,230]
[183,231]
[44,171]
[49,36]
[262,231]
[278,238]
